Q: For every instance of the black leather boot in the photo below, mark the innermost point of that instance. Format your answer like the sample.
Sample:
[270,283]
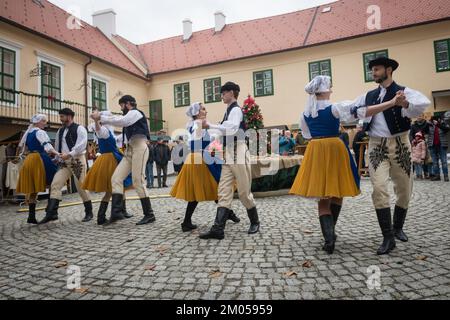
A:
[51,212]
[89,215]
[149,216]
[32,213]
[254,220]
[385,221]
[101,215]
[187,225]
[218,229]
[399,221]
[125,213]
[327,226]
[335,211]
[233,217]
[116,208]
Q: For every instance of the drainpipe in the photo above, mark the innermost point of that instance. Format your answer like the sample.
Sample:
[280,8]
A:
[86,88]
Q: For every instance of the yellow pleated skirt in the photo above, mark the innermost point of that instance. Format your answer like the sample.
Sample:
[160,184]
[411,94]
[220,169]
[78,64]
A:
[195,182]
[325,171]
[32,175]
[98,178]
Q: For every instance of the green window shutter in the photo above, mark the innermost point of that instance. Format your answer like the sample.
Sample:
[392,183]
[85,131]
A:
[441,51]
[263,83]
[7,75]
[369,56]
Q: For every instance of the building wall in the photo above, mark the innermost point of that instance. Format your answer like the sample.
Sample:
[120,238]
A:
[412,47]
[34,48]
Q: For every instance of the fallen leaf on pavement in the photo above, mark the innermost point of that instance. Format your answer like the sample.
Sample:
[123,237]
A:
[422,257]
[150,267]
[307,264]
[290,273]
[215,274]
[307,231]
[61,264]
[81,290]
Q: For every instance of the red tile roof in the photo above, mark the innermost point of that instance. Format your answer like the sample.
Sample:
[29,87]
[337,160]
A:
[132,48]
[51,21]
[346,19]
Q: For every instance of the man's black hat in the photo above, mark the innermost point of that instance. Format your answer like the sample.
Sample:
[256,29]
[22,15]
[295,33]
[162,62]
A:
[230,86]
[383,61]
[127,98]
[67,112]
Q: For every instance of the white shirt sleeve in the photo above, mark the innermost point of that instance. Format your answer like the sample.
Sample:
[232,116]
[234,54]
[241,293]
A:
[231,126]
[348,111]
[81,144]
[103,133]
[44,140]
[129,119]
[305,129]
[417,103]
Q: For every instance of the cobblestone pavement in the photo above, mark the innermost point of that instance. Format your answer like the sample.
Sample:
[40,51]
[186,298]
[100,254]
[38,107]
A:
[283,261]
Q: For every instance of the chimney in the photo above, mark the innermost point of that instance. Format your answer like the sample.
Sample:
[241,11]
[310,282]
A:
[219,20]
[105,20]
[187,29]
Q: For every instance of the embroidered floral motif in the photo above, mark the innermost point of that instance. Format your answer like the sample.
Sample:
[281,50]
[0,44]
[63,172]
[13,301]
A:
[77,168]
[378,155]
[403,156]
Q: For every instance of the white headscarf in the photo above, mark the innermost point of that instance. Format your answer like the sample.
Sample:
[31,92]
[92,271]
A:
[91,127]
[319,84]
[34,120]
[193,110]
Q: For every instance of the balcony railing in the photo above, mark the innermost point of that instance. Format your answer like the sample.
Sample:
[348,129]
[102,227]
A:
[21,106]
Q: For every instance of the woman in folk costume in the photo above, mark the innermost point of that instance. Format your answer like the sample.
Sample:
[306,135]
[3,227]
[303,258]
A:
[199,177]
[328,172]
[98,179]
[38,169]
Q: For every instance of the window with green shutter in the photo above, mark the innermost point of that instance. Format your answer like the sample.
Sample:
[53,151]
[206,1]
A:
[441,51]
[319,68]
[99,95]
[263,83]
[211,89]
[7,75]
[369,56]
[51,86]
[182,95]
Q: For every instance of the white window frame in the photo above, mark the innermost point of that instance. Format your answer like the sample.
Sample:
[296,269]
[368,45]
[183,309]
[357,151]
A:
[44,57]
[16,47]
[102,78]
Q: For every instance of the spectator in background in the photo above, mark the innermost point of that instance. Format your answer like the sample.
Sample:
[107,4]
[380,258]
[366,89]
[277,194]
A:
[438,146]
[299,140]
[149,167]
[287,143]
[161,156]
[419,152]
[181,150]
[359,137]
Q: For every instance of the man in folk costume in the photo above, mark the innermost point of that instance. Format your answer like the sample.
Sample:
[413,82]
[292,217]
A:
[38,169]
[234,170]
[98,179]
[135,136]
[71,143]
[390,148]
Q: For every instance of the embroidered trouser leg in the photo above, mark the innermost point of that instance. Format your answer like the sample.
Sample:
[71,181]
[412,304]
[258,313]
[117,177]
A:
[390,158]
[134,161]
[239,173]
[75,167]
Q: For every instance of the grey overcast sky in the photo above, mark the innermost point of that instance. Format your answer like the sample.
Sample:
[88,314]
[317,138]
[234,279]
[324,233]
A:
[142,21]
